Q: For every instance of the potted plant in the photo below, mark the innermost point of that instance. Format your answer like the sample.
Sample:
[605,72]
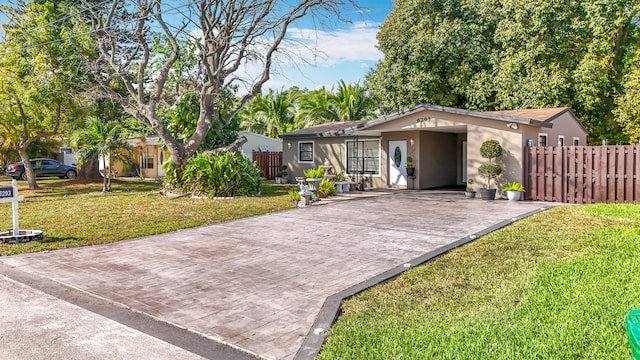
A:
[469,192]
[327,188]
[410,169]
[491,150]
[514,190]
[281,177]
[295,197]
[314,177]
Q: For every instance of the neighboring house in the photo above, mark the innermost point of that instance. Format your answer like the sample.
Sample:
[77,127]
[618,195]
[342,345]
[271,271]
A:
[67,155]
[444,143]
[148,155]
[258,142]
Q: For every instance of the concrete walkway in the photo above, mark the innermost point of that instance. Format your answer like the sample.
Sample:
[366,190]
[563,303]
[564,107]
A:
[258,284]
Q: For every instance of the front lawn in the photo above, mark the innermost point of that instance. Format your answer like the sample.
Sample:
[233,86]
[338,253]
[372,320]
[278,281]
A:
[553,286]
[72,213]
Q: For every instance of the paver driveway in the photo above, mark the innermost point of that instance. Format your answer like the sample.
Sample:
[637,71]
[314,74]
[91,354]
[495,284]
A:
[259,283]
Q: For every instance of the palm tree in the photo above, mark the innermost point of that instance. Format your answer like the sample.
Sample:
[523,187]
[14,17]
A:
[271,114]
[352,102]
[316,107]
[103,140]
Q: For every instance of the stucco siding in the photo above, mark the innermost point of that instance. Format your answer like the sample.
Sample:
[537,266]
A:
[511,159]
[331,149]
[255,141]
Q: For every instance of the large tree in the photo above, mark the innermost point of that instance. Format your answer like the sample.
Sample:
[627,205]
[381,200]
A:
[229,35]
[41,75]
[493,55]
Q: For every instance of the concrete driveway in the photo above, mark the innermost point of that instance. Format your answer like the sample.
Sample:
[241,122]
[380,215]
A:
[254,287]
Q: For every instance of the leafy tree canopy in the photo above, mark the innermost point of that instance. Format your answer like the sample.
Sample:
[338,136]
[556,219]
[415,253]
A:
[494,55]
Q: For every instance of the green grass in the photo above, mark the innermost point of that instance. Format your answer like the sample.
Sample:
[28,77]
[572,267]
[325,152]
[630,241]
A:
[553,286]
[73,214]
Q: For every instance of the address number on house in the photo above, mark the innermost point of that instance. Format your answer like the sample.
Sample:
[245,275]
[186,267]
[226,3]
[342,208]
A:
[6,192]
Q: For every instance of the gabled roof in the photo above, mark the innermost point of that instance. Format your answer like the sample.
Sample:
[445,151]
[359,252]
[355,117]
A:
[544,115]
[345,128]
[326,129]
[537,114]
[444,109]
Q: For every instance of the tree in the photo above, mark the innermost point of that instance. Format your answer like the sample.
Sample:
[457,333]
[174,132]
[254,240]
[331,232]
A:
[494,55]
[231,34]
[272,114]
[102,140]
[40,77]
[351,102]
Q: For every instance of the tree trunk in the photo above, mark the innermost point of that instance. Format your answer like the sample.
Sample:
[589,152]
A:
[31,176]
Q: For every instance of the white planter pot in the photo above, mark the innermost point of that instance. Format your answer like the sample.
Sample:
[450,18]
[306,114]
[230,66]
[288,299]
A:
[514,195]
[313,183]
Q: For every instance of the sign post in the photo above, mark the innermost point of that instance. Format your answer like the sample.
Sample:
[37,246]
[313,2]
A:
[10,194]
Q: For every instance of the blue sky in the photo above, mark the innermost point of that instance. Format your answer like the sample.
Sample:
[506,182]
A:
[346,53]
[343,52]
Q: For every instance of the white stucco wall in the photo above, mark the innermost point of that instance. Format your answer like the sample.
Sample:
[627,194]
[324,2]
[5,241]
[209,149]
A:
[256,141]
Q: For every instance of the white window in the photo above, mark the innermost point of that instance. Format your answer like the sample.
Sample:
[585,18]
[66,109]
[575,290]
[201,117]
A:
[305,151]
[542,140]
[363,157]
[576,141]
[560,140]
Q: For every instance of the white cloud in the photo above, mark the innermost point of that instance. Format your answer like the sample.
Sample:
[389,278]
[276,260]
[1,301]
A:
[305,48]
[357,43]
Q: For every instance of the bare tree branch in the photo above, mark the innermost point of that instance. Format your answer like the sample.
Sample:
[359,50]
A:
[234,32]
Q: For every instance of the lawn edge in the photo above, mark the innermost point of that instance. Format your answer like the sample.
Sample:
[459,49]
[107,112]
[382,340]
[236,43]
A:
[315,338]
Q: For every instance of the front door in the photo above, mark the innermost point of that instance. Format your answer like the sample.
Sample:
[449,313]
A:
[398,163]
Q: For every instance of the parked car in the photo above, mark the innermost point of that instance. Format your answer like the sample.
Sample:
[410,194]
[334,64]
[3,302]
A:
[43,168]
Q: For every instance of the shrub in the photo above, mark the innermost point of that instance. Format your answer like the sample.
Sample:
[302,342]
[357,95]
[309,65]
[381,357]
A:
[340,177]
[409,161]
[489,172]
[209,174]
[514,186]
[283,171]
[490,149]
[295,196]
[469,185]
[327,187]
[315,173]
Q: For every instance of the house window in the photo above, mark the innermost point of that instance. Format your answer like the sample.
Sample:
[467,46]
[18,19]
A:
[305,152]
[576,141]
[363,157]
[542,139]
[146,159]
[560,140]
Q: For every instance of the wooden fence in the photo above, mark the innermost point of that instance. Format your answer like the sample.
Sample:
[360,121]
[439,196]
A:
[583,174]
[269,162]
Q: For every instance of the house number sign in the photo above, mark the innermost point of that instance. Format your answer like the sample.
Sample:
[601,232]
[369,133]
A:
[10,194]
[6,192]
[424,119]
